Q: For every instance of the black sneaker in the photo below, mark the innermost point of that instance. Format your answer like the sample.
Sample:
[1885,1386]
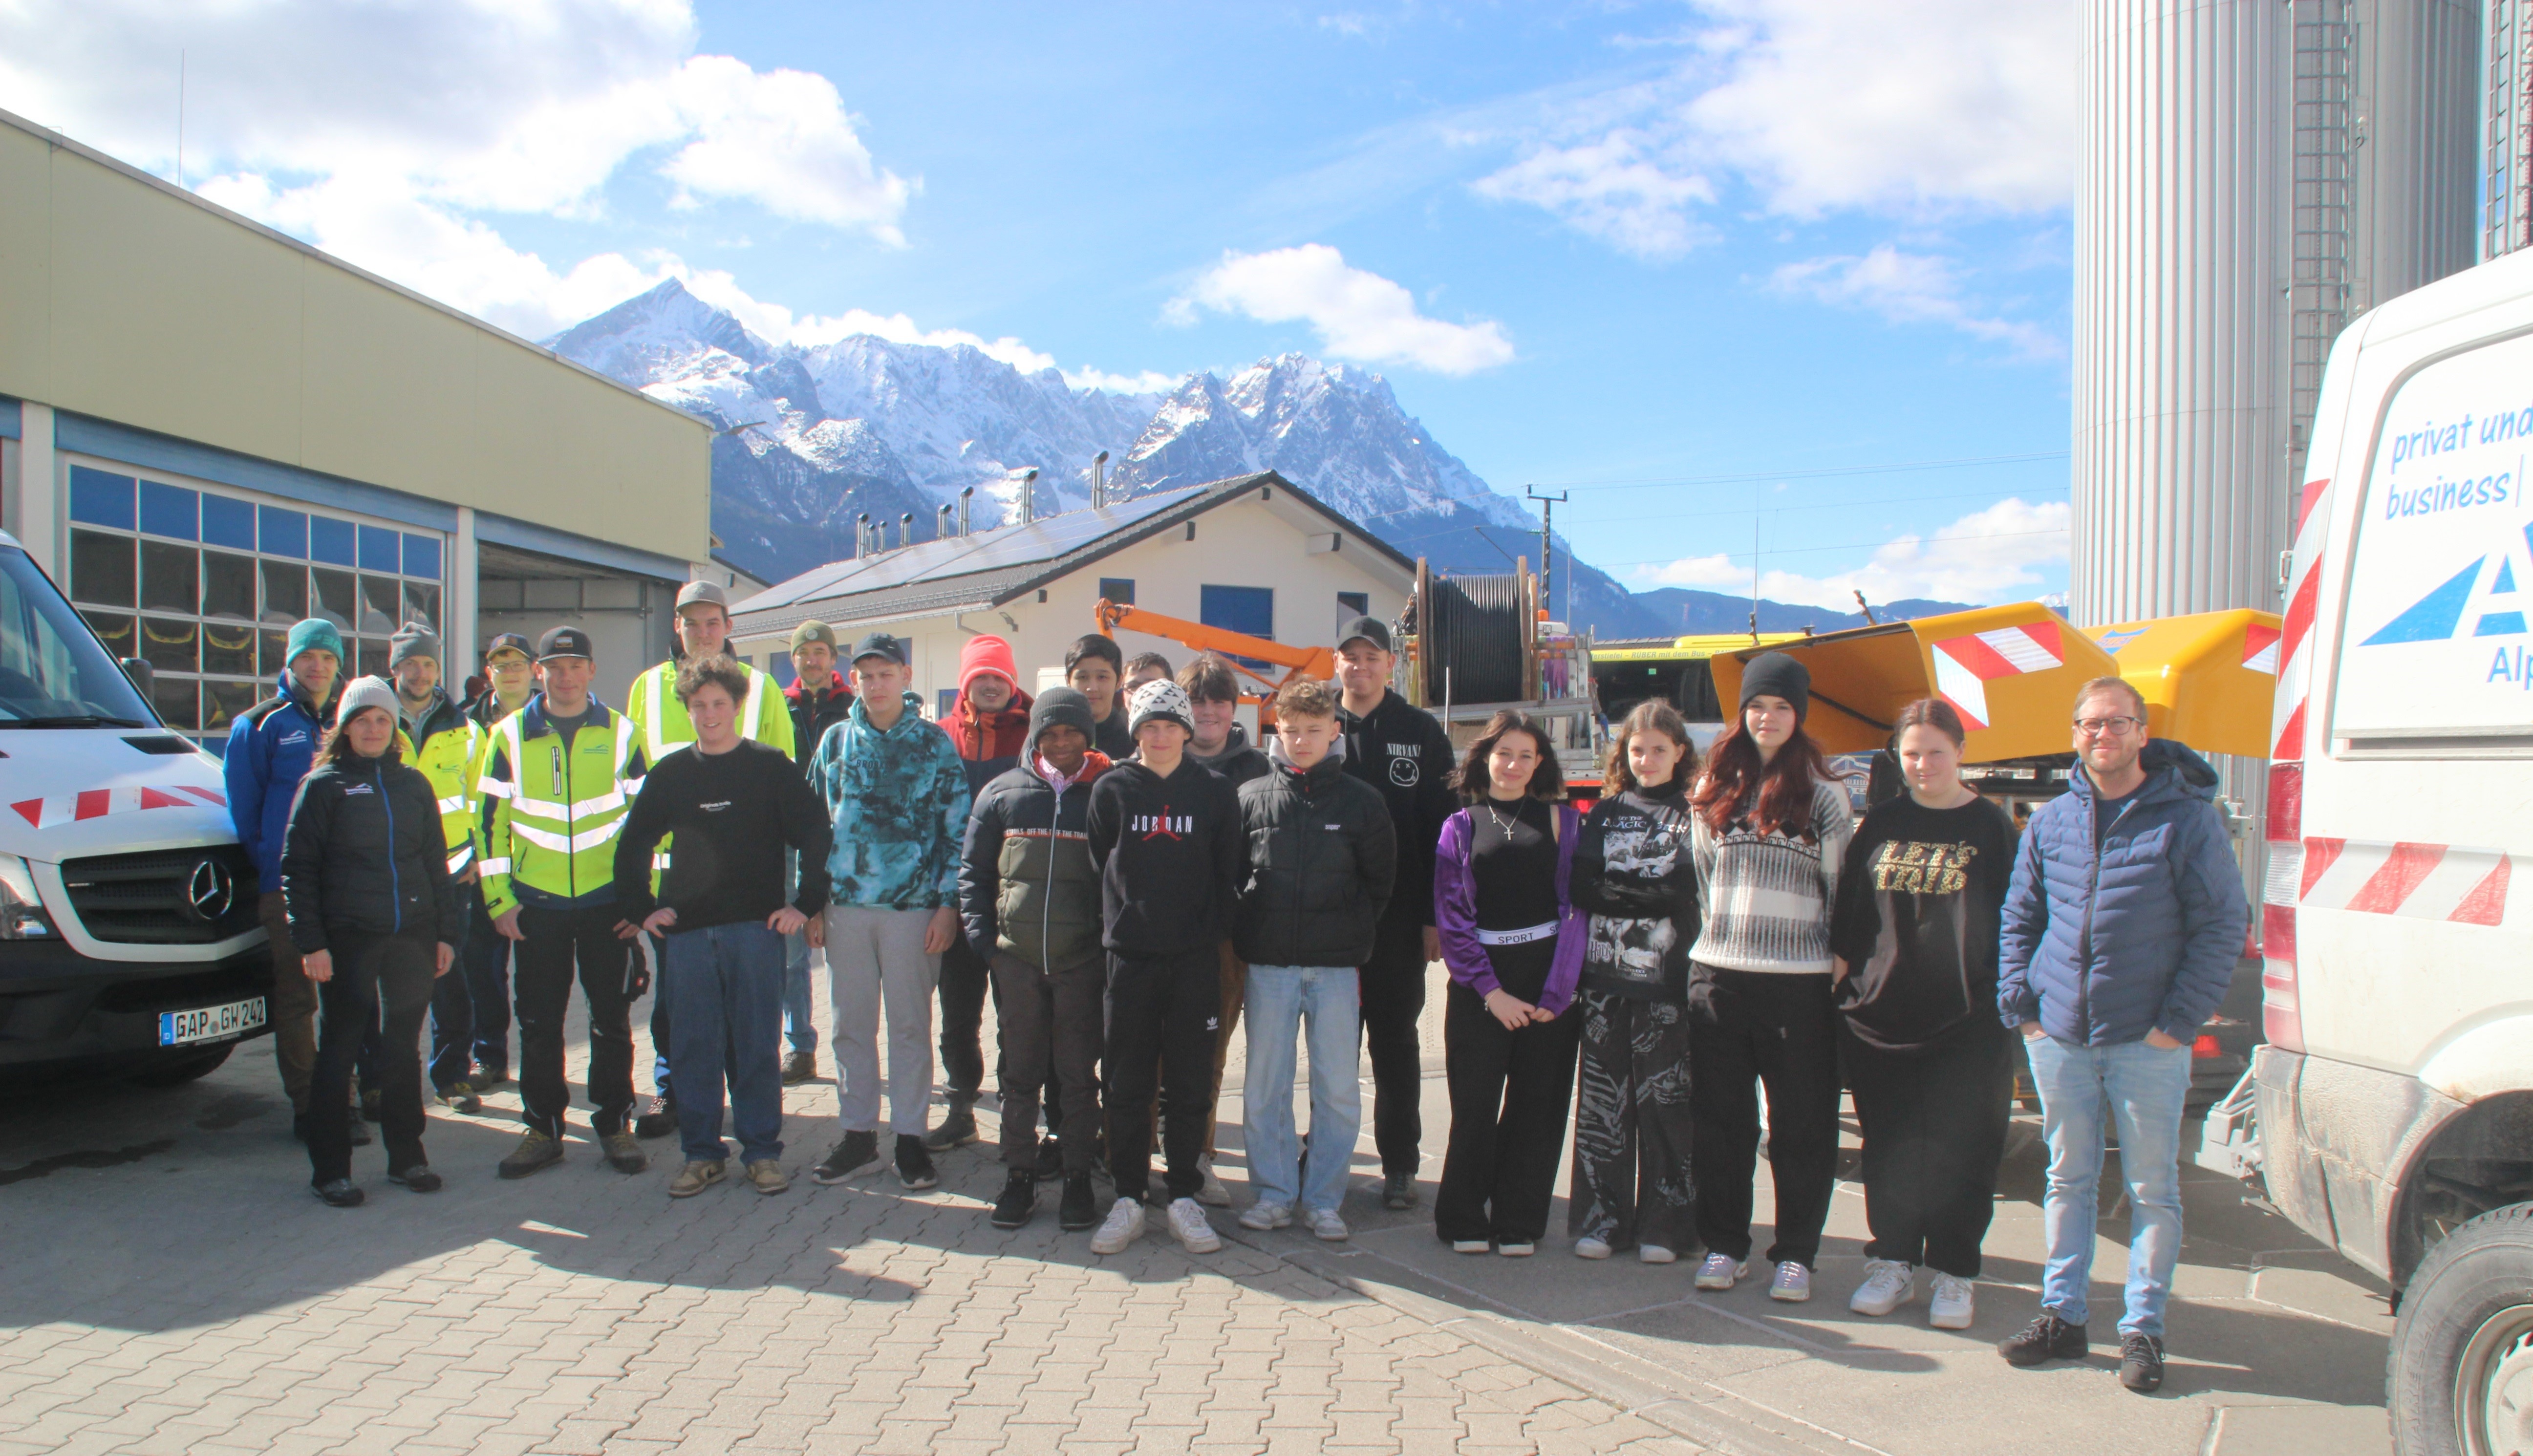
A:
[535,1153]
[660,1120]
[1398,1190]
[914,1164]
[460,1096]
[857,1152]
[1018,1201]
[2142,1362]
[958,1125]
[2047,1337]
[1050,1158]
[373,1102]
[1081,1209]
[338,1193]
[418,1178]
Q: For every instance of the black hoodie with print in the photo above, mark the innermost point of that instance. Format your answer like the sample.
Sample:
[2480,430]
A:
[1170,853]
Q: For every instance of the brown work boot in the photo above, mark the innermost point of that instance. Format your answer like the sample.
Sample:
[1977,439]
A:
[623,1155]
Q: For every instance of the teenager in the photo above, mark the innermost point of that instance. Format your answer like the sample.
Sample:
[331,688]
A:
[818,698]
[374,921]
[1222,745]
[1402,752]
[1094,667]
[1321,861]
[1931,1068]
[897,798]
[1029,893]
[1147,667]
[1166,835]
[1636,877]
[1771,823]
[733,811]
[1513,942]
[989,725]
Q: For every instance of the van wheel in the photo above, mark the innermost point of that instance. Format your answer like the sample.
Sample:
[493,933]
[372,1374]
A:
[2459,1379]
[175,1072]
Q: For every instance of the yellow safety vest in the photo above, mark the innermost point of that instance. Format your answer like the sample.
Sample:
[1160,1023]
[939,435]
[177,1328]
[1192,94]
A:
[451,759]
[552,815]
[765,717]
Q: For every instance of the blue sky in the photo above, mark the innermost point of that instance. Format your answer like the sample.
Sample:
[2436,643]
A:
[1618,249]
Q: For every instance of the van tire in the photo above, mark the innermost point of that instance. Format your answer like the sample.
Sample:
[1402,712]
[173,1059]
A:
[2470,1301]
[175,1072]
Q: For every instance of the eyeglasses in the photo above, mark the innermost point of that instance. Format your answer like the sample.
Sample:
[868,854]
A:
[2108,727]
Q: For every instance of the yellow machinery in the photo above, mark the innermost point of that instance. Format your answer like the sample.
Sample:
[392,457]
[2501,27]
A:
[2207,678]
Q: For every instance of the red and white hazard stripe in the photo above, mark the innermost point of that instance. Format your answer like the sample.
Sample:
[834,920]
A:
[97,803]
[2419,882]
[2294,647]
[1965,666]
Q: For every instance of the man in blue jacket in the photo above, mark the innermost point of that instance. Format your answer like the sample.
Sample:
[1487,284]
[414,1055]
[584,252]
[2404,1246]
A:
[2121,929]
[270,749]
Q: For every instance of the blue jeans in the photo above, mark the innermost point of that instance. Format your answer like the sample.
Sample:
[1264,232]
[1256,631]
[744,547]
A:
[728,982]
[798,1028]
[2143,1087]
[1328,1002]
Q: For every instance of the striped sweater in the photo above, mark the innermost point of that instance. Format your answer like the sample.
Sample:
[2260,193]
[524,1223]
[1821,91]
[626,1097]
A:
[1767,898]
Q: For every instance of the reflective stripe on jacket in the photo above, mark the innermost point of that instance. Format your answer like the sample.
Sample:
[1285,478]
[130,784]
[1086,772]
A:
[661,722]
[550,816]
[451,756]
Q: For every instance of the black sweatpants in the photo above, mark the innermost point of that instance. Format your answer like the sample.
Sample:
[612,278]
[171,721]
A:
[1633,1126]
[1934,1131]
[964,983]
[1052,1032]
[1165,1010]
[1779,1030]
[1509,1097]
[1393,999]
[370,971]
[557,941]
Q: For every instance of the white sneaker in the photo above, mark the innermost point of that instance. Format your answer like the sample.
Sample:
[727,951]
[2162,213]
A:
[1888,1284]
[1952,1306]
[1188,1225]
[1125,1225]
[1591,1249]
[1515,1250]
[1470,1245]
[1214,1195]
[1718,1271]
[1792,1284]
[1263,1217]
[1326,1225]
[1655,1253]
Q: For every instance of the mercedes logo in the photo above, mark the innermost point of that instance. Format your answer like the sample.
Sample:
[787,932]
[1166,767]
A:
[210,891]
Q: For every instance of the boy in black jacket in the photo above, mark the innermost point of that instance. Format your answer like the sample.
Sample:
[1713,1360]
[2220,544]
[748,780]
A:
[1166,837]
[1321,861]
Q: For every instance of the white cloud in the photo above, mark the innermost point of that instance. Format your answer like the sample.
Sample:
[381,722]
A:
[783,140]
[1989,556]
[1909,288]
[1611,188]
[1357,315]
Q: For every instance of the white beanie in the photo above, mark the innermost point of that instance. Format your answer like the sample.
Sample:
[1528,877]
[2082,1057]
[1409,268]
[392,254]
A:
[1162,700]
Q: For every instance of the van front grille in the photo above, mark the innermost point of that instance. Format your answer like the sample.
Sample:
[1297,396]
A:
[164,896]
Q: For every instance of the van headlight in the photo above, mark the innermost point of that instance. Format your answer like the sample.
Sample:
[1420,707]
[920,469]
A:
[21,910]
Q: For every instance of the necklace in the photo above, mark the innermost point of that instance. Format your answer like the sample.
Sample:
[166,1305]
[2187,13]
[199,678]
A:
[1501,827]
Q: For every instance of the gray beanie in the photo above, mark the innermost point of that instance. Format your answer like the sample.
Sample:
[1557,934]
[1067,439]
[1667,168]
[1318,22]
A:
[412,640]
[366,693]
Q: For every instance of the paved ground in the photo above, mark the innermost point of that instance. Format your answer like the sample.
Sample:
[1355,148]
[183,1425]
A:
[170,1286]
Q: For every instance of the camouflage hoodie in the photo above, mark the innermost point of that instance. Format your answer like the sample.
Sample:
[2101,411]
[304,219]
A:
[900,802]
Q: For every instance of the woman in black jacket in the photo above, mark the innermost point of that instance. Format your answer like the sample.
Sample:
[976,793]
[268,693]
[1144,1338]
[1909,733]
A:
[1634,1129]
[365,881]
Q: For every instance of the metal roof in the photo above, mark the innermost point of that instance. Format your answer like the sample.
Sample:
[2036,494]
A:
[961,573]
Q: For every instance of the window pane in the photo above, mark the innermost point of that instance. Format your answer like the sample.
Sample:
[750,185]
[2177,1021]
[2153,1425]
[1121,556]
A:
[381,601]
[229,586]
[171,644]
[422,605]
[373,657]
[1118,589]
[274,646]
[228,522]
[1354,603]
[334,597]
[170,577]
[422,557]
[286,592]
[379,548]
[330,541]
[285,533]
[168,510]
[173,697]
[115,631]
[100,498]
[223,702]
[228,648]
[101,568]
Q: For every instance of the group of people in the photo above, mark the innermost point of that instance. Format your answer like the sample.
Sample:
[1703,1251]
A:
[1126,877]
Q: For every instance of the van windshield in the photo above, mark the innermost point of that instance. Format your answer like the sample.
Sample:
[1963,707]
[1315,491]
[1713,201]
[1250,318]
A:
[53,671]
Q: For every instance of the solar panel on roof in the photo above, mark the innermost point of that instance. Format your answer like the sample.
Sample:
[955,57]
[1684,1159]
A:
[1042,540]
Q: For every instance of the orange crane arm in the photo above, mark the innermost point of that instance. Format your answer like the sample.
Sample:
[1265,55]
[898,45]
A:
[1317,662]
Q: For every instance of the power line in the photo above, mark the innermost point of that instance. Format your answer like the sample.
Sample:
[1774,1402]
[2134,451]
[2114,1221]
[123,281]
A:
[1805,551]
[1891,468]
[1775,509]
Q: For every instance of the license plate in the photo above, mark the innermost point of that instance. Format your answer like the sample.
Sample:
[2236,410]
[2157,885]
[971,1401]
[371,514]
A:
[210,1023]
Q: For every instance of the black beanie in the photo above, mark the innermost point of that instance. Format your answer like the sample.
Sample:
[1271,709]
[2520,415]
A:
[1778,676]
[1061,705]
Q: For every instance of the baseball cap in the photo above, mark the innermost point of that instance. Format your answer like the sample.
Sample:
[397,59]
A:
[508,642]
[1365,629]
[881,645]
[563,642]
[702,594]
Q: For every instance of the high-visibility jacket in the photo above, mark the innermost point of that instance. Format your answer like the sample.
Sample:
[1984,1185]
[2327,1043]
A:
[552,815]
[661,721]
[450,755]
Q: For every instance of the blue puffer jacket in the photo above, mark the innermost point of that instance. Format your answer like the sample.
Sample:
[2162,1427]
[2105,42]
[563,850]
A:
[2143,940]
[270,747]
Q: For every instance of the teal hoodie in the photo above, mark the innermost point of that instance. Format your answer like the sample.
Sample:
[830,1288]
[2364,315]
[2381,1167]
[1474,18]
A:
[899,803]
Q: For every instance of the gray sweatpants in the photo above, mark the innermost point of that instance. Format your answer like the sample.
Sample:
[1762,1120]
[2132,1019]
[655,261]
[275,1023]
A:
[878,954]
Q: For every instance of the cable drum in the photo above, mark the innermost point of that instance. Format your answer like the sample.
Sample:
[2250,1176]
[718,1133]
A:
[1472,625]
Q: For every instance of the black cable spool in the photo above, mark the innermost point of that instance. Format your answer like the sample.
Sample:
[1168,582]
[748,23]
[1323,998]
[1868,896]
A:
[1473,626]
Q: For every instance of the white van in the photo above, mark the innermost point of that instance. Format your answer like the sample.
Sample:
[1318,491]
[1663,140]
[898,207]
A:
[2395,1097]
[128,939]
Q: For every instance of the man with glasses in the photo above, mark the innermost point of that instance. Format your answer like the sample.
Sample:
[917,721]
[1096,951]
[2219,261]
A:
[2120,932]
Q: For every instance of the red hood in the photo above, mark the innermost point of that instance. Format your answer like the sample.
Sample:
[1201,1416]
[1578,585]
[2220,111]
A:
[979,736]
[836,686]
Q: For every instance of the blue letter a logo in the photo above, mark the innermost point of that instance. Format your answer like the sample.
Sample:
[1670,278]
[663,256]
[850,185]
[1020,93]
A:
[2485,598]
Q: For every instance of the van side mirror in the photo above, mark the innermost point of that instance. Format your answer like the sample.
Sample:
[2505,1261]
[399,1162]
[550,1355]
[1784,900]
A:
[142,676]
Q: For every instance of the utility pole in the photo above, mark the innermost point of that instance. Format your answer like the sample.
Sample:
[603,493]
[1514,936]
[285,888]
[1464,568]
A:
[1547,505]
